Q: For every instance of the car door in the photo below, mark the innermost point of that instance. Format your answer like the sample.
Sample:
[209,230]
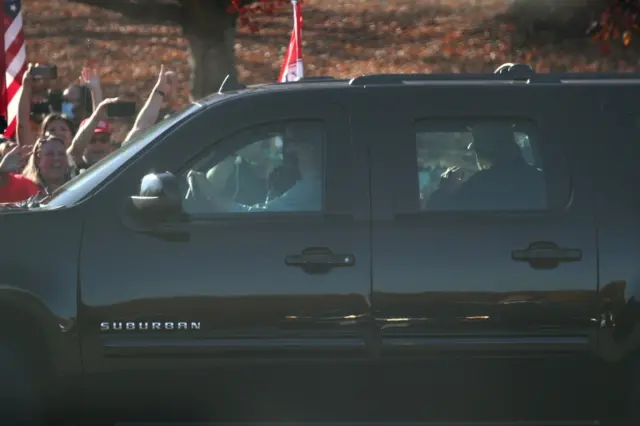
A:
[509,282]
[233,287]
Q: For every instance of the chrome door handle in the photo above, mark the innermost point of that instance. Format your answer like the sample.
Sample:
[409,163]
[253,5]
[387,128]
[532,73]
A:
[319,259]
[546,255]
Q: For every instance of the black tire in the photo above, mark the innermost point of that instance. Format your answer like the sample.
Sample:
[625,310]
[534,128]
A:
[20,390]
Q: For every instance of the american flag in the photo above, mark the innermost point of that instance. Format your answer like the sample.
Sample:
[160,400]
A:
[14,61]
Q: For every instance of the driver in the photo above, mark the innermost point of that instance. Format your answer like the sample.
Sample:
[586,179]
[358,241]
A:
[304,195]
[247,182]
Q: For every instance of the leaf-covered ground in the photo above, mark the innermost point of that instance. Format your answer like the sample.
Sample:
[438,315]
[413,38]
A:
[341,38]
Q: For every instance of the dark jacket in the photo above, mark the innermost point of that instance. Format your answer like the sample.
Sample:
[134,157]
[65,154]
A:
[513,185]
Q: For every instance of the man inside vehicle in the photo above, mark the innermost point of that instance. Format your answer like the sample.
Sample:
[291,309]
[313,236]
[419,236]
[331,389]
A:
[304,195]
[254,178]
[504,177]
[248,182]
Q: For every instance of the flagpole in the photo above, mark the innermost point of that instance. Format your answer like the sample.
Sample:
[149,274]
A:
[294,3]
[296,30]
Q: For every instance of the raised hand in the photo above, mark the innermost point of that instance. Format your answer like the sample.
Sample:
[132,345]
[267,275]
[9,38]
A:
[90,77]
[166,81]
[14,159]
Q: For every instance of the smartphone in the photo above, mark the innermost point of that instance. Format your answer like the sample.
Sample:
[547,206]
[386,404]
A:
[54,97]
[121,109]
[47,72]
[40,108]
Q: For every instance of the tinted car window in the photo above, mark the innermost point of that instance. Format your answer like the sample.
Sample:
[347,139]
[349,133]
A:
[479,165]
[272,168]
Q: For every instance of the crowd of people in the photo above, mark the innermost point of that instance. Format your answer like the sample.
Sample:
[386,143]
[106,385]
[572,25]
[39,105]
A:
[49,150]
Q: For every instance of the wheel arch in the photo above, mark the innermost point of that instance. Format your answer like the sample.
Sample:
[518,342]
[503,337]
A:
[51,340]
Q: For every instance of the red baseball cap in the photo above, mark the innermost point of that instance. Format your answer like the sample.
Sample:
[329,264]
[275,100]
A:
[102,127]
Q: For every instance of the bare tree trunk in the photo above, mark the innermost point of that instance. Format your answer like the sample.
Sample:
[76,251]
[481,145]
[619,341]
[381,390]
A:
[566,19]
[210,31]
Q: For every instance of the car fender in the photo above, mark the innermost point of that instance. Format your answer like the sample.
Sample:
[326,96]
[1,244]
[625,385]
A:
[25,317]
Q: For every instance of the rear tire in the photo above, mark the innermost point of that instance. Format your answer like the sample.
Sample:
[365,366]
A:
[20,389]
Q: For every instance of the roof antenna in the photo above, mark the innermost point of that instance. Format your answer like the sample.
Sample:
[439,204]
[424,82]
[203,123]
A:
[229,84]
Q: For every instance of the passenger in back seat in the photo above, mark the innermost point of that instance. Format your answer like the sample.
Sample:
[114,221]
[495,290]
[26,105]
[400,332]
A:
[505,180]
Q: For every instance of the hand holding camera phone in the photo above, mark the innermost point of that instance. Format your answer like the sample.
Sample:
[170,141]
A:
[44,72]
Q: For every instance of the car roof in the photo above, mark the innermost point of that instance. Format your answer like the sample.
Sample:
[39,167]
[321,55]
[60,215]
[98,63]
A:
[273,87]
[505,74]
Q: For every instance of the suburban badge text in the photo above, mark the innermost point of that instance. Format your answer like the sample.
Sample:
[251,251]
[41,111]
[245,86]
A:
[149,325]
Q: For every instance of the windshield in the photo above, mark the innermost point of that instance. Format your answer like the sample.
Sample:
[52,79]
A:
[78,188]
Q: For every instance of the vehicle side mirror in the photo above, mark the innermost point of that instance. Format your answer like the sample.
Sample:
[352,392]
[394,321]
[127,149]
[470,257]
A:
[159,198]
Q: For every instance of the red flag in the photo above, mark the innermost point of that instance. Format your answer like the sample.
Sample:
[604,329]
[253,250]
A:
[292,69]
[13,62]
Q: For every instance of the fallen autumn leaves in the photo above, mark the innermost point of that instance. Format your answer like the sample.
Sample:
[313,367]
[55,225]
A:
[341,38]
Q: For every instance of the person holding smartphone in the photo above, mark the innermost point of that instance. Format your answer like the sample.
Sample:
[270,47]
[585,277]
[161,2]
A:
[60,125]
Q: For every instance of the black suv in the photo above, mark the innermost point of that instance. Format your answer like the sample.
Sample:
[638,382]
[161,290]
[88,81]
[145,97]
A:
[391,248]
